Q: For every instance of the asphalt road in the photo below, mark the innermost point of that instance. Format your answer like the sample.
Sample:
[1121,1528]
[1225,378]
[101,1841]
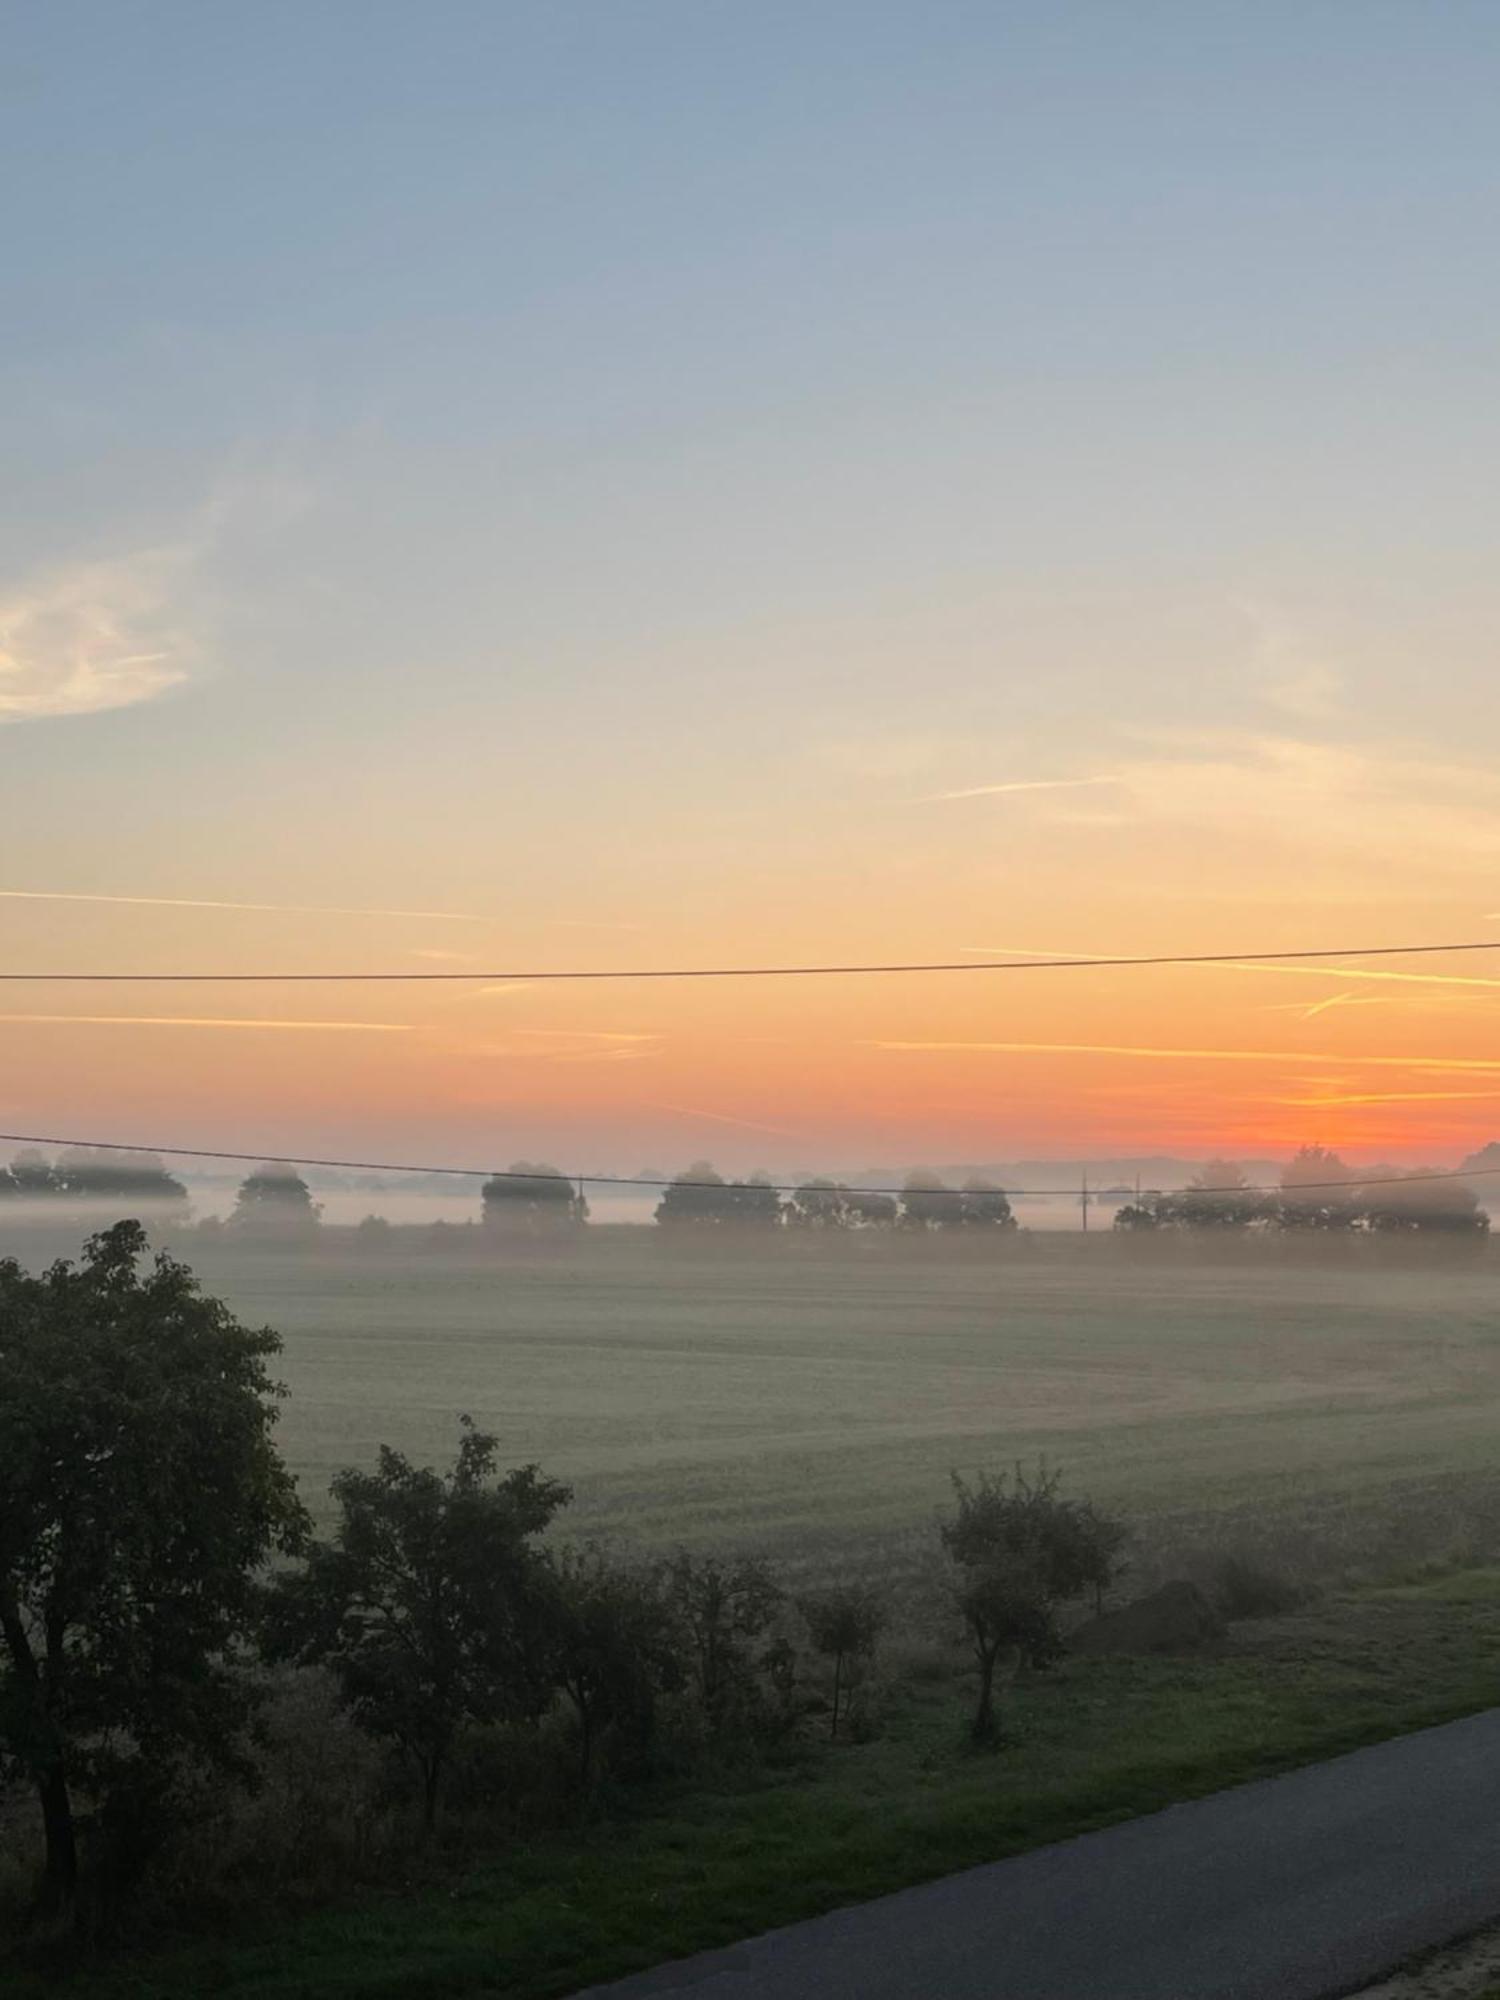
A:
[1293,1888]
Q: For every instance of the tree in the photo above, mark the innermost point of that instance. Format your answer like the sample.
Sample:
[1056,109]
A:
[724,1607]
[927,1202]
[140,1492]
[844,1624]
[616,1650]
[982,1205]
[529,1199]
[1020,1552]
[1217,1197]
[275,1204]
[30,1174]
[701,1198]
[1392,1203]
[430,1605]
[1308,1201]
[98,1174]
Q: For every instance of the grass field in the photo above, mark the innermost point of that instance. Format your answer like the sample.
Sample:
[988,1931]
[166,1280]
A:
[1341,1415]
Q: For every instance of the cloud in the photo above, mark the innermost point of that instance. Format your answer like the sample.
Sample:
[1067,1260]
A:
[1017,785]
[92,636]
[1293,678]
[723,1118]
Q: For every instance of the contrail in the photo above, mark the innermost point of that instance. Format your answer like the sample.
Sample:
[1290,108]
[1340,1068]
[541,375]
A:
[203,903]
[1344,1060]
[1016,785]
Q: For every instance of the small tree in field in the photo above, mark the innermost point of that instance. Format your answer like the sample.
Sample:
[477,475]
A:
[431,1603]
[140,1492]
[724,1608]
[1019,1552]
[615,1652]
[844,1625]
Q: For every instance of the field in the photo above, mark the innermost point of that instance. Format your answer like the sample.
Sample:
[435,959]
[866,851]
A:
[1334,1414]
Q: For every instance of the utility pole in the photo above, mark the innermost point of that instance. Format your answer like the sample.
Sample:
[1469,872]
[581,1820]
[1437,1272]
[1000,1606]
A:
[1083,1201]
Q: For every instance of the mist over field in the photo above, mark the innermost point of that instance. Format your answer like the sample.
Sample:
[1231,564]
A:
[1329,1406]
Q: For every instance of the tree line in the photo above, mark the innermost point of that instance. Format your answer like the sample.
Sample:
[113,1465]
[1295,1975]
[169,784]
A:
[1317,1192]
[156,1565]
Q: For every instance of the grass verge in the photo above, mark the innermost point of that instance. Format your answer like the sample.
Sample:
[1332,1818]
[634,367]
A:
[1098,1741]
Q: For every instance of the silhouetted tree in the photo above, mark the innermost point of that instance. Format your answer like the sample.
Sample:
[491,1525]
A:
[127,1180]
[870,1210]
[1308,1201]
[1217,1197]
[140,1492]
[725,1608]
[274,1203]
[432,1603]
[982,1205]
[927,1202]
[1395,1203]
[617,1650]
[844,1624]
[531,1199]
[1020,1552]
[30,1174]
[701,1197]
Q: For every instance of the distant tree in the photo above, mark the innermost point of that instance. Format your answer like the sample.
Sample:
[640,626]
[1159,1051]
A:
[982,1205]
[616,1651]
[1217,1197]
[819,1204]
[927,1202]
[844,1624]
[431,1605]
[31,1175]
[274,1203]
[1395,1203]
[701,1197]
[373,1234]
[531,1199]
[870,1210]
[140,1492]
[1019,1552]
[126,1180]
[1316,1192]
[725,1608]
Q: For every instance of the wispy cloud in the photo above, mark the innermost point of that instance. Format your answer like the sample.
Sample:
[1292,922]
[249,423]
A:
[212,1021]
[211,903]
[1345,1059]
[92,636]
[1294,677]
[1018,785]
[1387,1097]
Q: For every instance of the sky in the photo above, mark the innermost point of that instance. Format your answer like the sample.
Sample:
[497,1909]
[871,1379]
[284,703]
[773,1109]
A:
[498,486]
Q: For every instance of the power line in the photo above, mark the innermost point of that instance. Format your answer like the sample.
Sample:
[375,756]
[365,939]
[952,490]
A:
[573,973]
[665,1181]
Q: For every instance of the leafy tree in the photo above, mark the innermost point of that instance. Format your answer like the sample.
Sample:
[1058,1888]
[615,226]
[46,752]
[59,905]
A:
[431,1604]
[724,1607]
[1306,1201]
[95,1173]
[700,1197]
[30,1174]
[1392,1203]
[844,1624]
[869,1210]
[982,1205]
[1019,1553]
[616,1650]
[140,1492]
[532,1200]
[1217,1197]
[927,1202]
[275,1204]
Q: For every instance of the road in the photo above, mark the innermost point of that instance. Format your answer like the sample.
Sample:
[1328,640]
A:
[1293,1888]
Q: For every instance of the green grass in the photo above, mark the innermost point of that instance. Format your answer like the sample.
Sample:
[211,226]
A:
[1098,1742]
